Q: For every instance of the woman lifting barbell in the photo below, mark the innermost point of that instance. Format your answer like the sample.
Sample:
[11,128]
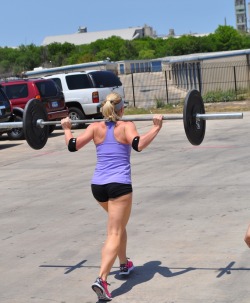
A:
[111,183]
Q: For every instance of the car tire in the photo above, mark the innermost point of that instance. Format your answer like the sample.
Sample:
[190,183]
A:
[51,128]
[16,133]
[76,114]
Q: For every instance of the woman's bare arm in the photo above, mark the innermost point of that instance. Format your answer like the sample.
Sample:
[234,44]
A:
[145,139]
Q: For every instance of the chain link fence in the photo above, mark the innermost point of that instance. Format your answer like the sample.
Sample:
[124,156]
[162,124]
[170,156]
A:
[215,81]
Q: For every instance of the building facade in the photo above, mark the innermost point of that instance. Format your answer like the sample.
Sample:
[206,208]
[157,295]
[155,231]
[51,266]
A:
[241,15]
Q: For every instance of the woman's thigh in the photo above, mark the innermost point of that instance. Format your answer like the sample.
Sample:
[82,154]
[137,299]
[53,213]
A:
[119,210]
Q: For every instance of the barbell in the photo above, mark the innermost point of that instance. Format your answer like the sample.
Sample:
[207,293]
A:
[36,126]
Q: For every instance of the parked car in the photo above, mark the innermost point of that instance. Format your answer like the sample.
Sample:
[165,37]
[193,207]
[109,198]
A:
[6,114]
[20,91]
[85,91]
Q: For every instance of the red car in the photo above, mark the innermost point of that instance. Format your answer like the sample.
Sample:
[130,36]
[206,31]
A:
[6,114]
[20,91]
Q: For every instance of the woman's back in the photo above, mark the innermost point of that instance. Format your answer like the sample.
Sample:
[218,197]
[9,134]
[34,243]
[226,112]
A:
[113,156]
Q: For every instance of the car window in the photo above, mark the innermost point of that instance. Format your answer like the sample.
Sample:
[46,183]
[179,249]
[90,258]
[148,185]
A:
[2,97]
[16,91]
[105,79]
[46,88]
[78,82]
[58,82]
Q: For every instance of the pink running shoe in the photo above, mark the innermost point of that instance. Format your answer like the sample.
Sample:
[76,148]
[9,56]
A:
[125,269]
[100,287]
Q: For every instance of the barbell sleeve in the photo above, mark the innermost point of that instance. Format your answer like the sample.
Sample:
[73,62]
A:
[217,116]
[10,125]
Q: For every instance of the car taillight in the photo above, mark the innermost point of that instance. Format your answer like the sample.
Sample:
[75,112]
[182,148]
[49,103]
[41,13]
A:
[11,106]
[95,97]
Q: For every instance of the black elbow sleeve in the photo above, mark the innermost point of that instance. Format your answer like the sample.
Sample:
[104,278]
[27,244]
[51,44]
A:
[72,145]
[135,143]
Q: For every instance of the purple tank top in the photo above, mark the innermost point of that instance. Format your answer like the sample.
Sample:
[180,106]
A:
[113,160]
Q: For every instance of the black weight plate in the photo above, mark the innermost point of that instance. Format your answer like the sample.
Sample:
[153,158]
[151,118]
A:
[195,129]
[36,136]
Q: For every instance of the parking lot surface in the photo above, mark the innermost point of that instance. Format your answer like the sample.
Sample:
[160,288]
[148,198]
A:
[190,213]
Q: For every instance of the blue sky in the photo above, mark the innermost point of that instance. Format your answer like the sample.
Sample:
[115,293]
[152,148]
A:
[30,21]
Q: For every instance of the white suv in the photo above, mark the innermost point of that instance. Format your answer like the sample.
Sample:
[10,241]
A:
[85,91]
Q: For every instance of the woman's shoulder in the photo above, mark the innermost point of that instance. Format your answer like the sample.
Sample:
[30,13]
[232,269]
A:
[125,123]
[99,124]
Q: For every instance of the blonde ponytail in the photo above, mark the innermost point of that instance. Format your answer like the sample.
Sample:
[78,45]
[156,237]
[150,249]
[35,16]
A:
[111,105]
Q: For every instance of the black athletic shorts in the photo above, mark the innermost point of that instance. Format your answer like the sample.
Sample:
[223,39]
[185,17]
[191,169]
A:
[103,193]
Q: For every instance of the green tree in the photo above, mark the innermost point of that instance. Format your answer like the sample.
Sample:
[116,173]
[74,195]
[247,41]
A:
[113,46]
[4,66]
[245,40]
[57,53]
[104,54]
[26,57]
[128,51]
[146,54]
[227,38]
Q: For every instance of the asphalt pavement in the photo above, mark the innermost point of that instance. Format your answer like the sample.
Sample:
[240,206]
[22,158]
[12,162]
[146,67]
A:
[185,236]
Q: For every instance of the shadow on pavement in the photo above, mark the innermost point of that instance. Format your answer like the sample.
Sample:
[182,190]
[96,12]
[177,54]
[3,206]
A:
[145,273]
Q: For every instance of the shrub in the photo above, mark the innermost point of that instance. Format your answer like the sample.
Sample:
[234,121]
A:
[219,96]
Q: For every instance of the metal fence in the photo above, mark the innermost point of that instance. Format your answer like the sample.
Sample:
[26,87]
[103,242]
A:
[148,89]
